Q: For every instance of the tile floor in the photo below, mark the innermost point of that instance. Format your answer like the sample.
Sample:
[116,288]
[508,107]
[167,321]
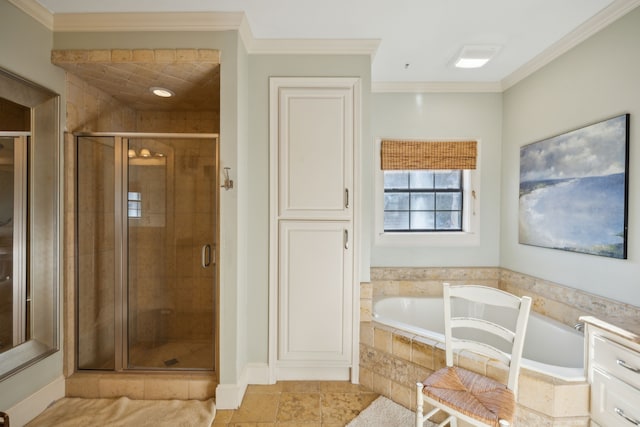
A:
[299,404]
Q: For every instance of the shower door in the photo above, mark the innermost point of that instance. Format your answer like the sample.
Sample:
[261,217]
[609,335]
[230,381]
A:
[157,309]
[14,286]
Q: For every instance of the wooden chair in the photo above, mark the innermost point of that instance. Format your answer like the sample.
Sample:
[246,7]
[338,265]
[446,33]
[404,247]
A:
[466,395]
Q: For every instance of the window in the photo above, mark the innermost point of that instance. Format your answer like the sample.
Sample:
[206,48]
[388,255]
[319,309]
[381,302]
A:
[426,193]
[423,200]
[134,204]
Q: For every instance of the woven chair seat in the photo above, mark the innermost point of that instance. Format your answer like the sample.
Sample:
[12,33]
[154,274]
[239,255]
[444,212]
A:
[474,395]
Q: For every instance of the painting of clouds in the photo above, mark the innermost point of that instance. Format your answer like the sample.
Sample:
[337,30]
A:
[573,190]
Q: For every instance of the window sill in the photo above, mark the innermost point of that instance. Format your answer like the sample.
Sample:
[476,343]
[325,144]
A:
[428,239]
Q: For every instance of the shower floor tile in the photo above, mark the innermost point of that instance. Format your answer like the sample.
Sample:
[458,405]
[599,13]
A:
[179,355]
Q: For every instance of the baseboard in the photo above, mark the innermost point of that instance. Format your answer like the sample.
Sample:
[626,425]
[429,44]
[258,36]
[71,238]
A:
[229,396]
[257,373]
[27,409]
[315,373]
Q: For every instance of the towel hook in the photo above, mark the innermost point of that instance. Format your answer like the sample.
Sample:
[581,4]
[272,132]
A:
[228,183]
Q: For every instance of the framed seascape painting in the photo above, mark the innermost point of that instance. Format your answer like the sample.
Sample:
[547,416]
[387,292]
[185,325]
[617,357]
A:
[573,190]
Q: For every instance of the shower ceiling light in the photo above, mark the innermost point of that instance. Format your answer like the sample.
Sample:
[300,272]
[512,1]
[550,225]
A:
[161,91]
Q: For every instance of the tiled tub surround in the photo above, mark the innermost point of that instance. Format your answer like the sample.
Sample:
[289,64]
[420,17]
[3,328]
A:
[391,361]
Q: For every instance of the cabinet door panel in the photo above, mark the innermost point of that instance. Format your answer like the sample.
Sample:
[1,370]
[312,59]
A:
[314,298]
[315,152]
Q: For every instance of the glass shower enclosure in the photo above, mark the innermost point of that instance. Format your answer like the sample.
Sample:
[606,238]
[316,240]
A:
[146,251]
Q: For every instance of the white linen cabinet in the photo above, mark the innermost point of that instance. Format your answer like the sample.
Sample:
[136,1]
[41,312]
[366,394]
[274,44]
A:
[314,124]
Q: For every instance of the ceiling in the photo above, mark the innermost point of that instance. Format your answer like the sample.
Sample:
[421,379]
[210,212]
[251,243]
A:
[196,85]
[415,40]
[425,34]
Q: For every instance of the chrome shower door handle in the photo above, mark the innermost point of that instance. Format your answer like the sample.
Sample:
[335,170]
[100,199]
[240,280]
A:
[206,255]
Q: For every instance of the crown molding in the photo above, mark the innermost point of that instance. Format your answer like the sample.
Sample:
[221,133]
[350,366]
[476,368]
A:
[315,46]
[608,15]
[436,87]
[36,11]
[209,21]
[144,21]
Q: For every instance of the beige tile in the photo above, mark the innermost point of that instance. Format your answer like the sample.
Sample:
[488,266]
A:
[340,387]
[82,386]
[202,389]
[401,394]
[133,388]
[401,346]
[366,333]
[166,389]
[299,407]
[535,392]
[571,400]
[365,310]
[422,354]
[473,362]
[301,386]
[366,290]
[343,407]
[366,378]
[265,388]
[223,417]
[382,340]
[497,371]
[257,408]
[381,384]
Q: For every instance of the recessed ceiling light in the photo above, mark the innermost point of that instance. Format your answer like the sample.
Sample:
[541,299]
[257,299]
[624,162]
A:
[161,91]
[475,56]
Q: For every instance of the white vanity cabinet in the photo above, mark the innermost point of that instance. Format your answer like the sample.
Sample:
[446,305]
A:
[613,370]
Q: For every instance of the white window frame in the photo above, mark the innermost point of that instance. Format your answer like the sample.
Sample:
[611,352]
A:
[470,236]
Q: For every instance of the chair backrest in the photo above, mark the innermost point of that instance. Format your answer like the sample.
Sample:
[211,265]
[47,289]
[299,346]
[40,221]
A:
[488,321]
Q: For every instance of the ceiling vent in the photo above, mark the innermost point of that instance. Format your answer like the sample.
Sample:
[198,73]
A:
[475,56]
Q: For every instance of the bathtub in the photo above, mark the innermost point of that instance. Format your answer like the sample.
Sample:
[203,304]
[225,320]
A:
[550,348]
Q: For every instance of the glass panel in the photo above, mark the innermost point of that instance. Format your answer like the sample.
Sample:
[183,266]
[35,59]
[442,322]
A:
[448,179]
[422,220]
[421,179]
[449,201]
[96,249]
[7,170]
[396,201]
[170,254]
[396,179]
[422,202]
[448,220]
[396,220]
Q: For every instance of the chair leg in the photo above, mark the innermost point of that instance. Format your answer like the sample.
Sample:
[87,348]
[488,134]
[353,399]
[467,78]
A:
[419,405]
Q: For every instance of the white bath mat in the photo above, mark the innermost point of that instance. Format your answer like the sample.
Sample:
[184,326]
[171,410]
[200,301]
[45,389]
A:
[385,413]
[124,412]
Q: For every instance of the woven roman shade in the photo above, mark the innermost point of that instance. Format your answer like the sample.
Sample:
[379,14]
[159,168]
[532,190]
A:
[407,155]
